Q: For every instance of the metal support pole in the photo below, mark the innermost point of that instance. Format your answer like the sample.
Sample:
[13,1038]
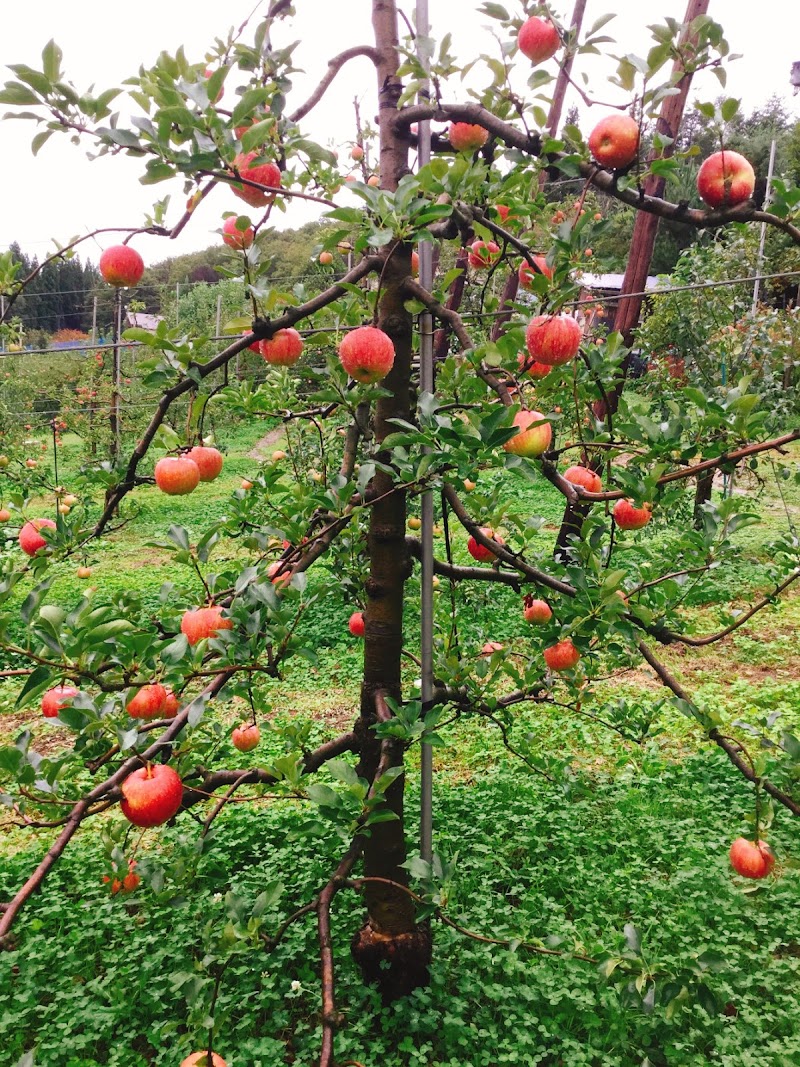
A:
[426,382]
[116,428]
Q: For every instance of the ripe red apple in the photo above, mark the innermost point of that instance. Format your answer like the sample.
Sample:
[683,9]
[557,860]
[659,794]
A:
[531,440]
[536,611]
[201,623]
[5,514]
[725,179]
[553,339]
[583,476]
[148,702]
[627,517]
[172,704]
[56,698]
[121,266]
[526,273]
[465,137]
[614,142]
[209,461]
[538,40]
[415,263]
[30,540]
[356,624]
[235,236]
[282,578]
[561,656]
[177,475]
[151,795]
[480,552]
[263,173]
[200,1059]
[326,258]
[531,367]
[503,211]
[245,736]
[751,859]
[483,254]
[367,354]
[283,349]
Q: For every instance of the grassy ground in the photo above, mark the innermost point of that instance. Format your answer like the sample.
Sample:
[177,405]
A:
[637,835]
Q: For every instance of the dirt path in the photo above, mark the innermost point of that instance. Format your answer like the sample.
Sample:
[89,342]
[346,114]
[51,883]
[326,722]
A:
[268,441]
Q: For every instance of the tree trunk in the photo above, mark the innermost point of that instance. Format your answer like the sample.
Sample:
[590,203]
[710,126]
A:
[391,950]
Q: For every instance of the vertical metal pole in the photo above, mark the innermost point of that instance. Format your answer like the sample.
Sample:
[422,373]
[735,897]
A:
[94,320]
[426,386]
[177,302]
[115,394]
[763,238]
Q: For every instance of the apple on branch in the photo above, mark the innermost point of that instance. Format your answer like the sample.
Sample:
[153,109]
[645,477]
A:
[467,137]
[725,179]
[614,141]
[151,795]
[121,266]
[538,39]
[367,354]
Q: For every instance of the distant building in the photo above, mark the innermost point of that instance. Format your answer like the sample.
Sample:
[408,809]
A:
[142,320]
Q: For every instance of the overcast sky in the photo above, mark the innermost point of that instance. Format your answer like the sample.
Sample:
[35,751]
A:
[60,193]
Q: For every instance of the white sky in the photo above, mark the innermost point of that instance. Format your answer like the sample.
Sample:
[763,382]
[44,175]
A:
[60,193]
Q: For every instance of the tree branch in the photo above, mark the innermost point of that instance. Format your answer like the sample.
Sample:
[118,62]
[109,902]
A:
[334,66]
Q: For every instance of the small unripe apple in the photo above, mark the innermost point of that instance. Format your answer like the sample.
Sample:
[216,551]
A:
[245,736]
[326,258]
[5,514]
[278,455]
[469,485]
[4,462]
[414,522]
[121,266]
[466,137]
[367,354]
[245,484]
[70,500]
[561,656]
[200,1059]
[357,153]
[31,464]
[491,647]
[64,509]
[374,181]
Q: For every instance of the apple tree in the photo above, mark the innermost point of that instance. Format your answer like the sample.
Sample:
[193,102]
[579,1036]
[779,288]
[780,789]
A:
[454,356]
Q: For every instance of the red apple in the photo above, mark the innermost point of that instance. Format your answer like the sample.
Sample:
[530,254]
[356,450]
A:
[491,647]
[553,339]
[561,656]
[367,354]
[725,179]
[531,440]
[121,266]
[283,349]
[278,576]
[536,611]
[465,137]
[531,367]
[526,273]
[538,39]
[151,795]
[503,211]
[200,1059]
[263,173]
[30,540]
[201,623]
[627,517]
[583,476]
[480,552]
[356,624]
[84,572]
[55,699]
[148,702]
[5,514]
[614,142]
[128,883]
[357,153]
[415,263]
[236,236]
[483,254]
[326,258]
[751,859]
[245,736]
[177,475]
[172,704]
[209,461]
